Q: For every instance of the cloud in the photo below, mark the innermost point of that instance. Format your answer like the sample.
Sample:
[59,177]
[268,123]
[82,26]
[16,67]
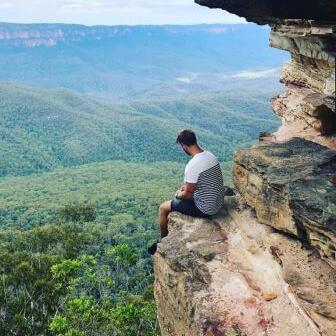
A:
[254,74]
[184,80]
[86,5]
[112,12]
[6,5]
[127,4]
[121,4]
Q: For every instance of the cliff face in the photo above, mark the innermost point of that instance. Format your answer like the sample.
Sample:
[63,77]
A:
[234,276]
[307,108]
[50,35]
[266,265]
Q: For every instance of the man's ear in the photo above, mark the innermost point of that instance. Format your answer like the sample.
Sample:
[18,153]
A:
[186,149]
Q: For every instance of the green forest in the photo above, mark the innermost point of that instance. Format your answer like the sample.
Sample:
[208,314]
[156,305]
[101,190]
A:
[46,129]
[81,182]
[73,249]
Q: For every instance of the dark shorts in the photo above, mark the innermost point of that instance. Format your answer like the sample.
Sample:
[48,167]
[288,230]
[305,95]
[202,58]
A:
[187,207]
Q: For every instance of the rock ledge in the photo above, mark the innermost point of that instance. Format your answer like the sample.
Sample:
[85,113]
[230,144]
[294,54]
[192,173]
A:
[234,276]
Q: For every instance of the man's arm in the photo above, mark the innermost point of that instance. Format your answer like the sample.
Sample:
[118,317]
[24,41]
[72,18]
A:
[186,191]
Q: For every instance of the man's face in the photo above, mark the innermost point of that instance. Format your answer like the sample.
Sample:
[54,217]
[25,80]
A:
[185,149]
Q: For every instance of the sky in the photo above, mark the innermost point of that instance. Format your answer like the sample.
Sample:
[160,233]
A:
[112,12]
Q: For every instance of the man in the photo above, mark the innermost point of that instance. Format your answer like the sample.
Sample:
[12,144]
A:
[202,193]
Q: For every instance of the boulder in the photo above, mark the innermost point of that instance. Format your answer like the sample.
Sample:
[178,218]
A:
[289,185]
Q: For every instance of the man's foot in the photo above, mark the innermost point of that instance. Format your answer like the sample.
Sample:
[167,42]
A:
[152,249]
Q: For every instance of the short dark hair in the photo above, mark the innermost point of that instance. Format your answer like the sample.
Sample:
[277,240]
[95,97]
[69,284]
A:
[187,137]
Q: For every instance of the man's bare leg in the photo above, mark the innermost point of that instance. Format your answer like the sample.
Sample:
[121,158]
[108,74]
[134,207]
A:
[164,210]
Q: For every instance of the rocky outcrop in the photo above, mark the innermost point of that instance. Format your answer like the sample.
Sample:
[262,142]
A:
[266,265]
[233,276]
[307,108]
[291,185]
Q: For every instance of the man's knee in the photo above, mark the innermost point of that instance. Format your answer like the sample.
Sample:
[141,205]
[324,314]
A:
[165,207]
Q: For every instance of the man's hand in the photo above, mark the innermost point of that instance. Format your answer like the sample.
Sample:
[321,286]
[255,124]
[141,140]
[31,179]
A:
[179,191]
[186,191]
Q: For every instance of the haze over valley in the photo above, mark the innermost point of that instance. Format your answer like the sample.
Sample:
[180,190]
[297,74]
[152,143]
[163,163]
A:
[126,62]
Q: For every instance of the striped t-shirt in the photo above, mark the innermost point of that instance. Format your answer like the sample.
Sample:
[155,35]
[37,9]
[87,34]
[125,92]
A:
[204,170]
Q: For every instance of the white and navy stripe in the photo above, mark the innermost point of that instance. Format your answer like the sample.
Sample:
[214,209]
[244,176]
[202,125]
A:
[209,194]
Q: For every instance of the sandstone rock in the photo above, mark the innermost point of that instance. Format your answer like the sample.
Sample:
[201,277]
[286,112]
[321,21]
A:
[313,74]
[307,108]
[288,185]
[269,296]
[299,27]
[314,47]
[307,114]
[220,277]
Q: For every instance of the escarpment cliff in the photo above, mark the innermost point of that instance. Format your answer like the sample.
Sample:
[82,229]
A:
[266,265]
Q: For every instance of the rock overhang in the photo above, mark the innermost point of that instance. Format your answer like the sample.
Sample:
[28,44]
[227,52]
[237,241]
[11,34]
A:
[264,11]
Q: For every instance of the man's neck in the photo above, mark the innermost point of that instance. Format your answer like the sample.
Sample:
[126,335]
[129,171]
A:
[195,150]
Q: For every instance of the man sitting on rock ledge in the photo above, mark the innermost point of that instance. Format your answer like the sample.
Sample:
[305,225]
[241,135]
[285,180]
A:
[202,193]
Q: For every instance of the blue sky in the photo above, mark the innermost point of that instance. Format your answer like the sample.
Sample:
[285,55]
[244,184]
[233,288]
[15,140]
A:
[111,12]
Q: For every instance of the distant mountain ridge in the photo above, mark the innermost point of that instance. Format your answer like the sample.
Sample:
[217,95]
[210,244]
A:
[34,35]
[126,62]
